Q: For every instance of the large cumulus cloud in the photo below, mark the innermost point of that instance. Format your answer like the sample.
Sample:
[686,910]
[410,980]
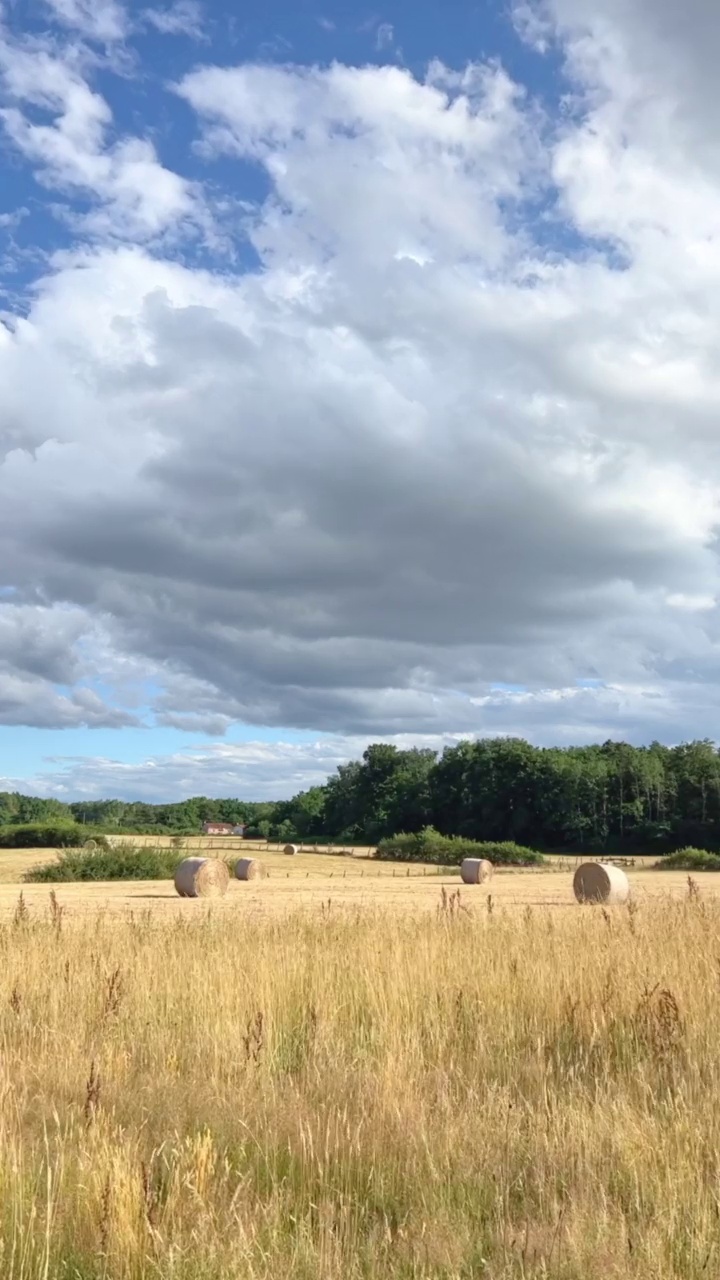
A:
[456,432]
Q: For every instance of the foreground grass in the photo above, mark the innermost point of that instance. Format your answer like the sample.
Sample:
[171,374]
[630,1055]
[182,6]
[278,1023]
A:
[332,1095]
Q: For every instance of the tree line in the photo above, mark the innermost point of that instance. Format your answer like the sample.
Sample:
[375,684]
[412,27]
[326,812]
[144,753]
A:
[610,796]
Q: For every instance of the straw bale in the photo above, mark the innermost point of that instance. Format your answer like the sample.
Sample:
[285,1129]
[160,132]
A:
[601,882]
[250,869]
[476,870]
[202,878]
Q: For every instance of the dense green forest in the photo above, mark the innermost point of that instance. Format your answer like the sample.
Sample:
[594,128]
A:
[609,796]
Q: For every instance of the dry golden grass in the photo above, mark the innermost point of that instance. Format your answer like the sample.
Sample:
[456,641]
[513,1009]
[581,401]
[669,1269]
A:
[478,1090]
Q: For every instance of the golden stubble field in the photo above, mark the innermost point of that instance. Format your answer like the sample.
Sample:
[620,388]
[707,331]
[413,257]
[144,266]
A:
[303,1080]
[311,879]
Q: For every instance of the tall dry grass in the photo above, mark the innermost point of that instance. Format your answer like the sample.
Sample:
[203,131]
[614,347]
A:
[332,1096]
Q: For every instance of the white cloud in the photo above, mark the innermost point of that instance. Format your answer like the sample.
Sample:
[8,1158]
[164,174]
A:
[134,196]
[440,440]
[102,20]
[254,770]
[259,770]
[45,668]
[385,35]
[443,155]
[9,221]
[530,25]
[184,17]
[693,604]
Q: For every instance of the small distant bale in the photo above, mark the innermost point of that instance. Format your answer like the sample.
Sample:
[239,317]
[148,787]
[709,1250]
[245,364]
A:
[250,869]
[476,870]
[291,850]
[601,882]
[202,878]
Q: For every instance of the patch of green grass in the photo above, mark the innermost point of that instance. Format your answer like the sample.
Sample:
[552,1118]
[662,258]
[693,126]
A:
[432,847]
[689,860]
[123,862]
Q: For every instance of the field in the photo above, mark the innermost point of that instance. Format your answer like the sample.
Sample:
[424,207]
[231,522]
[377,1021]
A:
[312,879]
[304,1080]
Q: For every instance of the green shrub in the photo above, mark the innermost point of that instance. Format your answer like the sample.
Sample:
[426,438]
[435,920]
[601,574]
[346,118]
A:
[43,835]
[689,860]
[124,862]
[430,846]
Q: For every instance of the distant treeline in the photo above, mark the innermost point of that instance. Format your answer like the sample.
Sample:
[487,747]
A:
[598,797]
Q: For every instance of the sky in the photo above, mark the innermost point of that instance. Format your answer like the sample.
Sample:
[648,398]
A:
[358,382]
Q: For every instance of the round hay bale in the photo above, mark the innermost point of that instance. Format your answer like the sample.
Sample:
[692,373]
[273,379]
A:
[250,869]
[601,882]
[91,846]
[202,878]
[476,870]
[291,849]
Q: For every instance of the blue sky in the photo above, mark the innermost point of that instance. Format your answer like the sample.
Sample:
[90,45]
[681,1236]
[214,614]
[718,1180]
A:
[355,383]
